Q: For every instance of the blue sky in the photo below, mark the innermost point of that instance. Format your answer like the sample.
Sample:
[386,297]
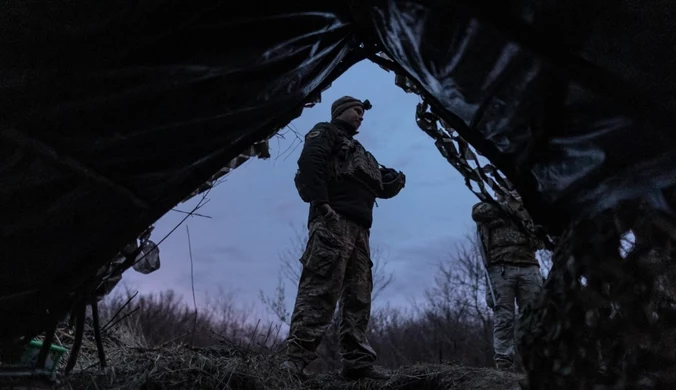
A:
[254,211]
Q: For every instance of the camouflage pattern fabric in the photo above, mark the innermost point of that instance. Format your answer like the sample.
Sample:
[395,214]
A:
[503,241]
[107,272]
[260,149]
[336,266]
[607,317]
[514,274]
[510,283]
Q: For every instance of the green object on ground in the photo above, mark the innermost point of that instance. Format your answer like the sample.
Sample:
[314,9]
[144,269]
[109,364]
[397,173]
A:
[30,355]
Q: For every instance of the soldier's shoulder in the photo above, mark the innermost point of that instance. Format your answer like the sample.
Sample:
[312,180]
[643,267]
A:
[482,206]
[320,130]
[482,209]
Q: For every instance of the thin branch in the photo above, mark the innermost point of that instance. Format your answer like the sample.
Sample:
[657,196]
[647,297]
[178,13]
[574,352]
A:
[295,142]
[192,284]
[195,214]
[253,334]
[120,320]
[119,310]
[126,264]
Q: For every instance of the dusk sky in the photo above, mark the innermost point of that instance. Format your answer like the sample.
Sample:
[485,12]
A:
[255,210]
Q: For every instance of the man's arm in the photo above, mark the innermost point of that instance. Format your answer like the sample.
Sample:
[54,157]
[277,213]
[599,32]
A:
[313,164]
[393,182]
[536,242]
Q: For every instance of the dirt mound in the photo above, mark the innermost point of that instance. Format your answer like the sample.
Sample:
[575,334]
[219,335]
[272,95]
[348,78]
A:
[238,368]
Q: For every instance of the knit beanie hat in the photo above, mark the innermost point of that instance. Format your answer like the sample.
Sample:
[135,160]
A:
[343,104]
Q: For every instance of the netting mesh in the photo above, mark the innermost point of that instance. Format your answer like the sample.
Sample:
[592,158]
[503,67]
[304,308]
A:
[607,317]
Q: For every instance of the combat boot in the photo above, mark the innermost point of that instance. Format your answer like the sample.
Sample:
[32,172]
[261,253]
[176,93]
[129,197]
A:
[504,365]
[364,373]
[293,368]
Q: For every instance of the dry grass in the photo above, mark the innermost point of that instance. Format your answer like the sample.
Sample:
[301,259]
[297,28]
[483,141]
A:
[147,349]
[223,367]
[133,365]
[249,367]
[147,353]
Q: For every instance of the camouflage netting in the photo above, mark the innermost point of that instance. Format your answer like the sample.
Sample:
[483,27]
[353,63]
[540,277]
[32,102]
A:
[607,319]
[114,112]
[608,316]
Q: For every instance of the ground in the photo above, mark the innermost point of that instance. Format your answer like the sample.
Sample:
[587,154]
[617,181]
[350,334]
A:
[237,368]
[227,366]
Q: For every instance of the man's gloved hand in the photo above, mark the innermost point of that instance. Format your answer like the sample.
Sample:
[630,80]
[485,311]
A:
[327,212]
[391,175]
[402,179]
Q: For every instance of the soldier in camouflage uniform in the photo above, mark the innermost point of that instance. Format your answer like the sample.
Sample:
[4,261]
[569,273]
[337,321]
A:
[513,273]
[341,181]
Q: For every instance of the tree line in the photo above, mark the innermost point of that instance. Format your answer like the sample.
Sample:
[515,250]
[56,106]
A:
[452,325]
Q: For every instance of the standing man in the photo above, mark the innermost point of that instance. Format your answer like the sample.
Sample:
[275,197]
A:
[513,272]
[341,181]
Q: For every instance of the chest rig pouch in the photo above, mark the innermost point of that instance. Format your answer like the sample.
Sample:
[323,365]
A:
[353,161]
[300,187]
[504,233]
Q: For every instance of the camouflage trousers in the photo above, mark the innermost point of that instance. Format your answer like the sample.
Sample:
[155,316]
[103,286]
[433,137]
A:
[336,266]
[510,283]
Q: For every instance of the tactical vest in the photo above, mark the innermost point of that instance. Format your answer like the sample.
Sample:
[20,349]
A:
[505,242]
[349,159]
[354,161]
[504,233]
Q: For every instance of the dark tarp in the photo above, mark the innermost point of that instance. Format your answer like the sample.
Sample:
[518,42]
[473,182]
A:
[578,115]
[113,112]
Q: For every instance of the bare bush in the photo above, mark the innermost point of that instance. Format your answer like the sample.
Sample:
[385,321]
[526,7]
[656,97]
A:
[451,325]
[153,320]
[454,325]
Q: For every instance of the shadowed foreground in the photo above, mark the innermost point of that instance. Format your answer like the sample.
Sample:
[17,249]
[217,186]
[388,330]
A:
[237,368]
[243,364]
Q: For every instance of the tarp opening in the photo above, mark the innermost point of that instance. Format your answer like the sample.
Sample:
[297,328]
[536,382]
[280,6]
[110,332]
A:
[114,112]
